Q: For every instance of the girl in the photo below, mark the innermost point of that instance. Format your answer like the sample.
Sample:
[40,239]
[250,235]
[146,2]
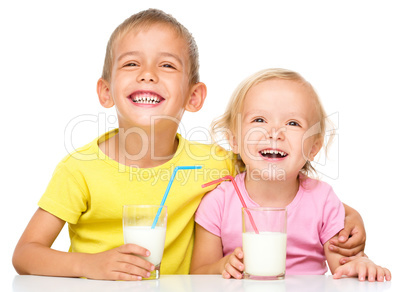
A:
[276,122]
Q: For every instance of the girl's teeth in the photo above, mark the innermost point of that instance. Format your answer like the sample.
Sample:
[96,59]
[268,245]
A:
[273,152]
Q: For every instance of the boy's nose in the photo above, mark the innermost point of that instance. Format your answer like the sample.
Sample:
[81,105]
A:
[147,76]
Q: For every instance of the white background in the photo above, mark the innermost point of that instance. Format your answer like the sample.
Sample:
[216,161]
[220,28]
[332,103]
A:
[52,55]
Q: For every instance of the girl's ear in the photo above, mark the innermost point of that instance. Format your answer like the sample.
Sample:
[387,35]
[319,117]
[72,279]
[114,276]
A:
[234,145]
[314,132]
[198,94]
[103,90]
[315,148]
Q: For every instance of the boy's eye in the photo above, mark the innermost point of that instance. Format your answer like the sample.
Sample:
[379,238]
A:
[259,120]
[293,123]
[168,66]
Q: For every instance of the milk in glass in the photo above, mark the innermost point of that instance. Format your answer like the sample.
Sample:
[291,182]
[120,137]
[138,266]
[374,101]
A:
[264,253]
[151,239]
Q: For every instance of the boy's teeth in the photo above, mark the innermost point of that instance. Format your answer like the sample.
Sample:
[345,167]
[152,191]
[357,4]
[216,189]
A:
[146,99]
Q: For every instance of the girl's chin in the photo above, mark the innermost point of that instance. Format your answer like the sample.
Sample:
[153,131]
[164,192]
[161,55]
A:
[267,174]
[272,173]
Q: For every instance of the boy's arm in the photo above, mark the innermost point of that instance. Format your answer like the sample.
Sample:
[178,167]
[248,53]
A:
[33,255]
[360,267]
[208,256]
[351,239]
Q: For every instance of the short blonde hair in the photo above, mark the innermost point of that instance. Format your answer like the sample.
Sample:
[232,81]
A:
[225,126]
[145,19]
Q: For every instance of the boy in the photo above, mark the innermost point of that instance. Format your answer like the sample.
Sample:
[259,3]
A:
[151,76]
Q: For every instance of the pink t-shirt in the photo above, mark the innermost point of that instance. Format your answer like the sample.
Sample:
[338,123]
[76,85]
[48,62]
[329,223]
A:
[314,216]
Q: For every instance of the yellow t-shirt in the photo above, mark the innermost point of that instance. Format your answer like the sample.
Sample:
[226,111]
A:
[88,190]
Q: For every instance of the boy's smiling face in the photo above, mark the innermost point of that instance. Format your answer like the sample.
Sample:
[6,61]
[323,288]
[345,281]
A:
[150,77]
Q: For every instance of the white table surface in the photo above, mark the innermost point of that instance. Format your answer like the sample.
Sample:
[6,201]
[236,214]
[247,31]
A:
[195,283]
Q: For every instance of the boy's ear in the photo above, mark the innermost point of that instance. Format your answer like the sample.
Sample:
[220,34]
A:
[198,94]
[103,90]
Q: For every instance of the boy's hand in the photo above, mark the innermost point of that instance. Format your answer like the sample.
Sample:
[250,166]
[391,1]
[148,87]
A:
[121,263]
[234,266]
[363,268]
[352,239]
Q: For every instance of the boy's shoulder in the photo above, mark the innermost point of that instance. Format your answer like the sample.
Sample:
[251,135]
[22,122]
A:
[81,155]
[90,155]
[213,157]
[90,151]
[203,150]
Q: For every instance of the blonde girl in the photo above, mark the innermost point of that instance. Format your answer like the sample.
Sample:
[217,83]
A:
[276,122]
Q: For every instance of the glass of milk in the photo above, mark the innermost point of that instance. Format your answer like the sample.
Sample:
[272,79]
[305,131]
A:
[265,252]
[137,229]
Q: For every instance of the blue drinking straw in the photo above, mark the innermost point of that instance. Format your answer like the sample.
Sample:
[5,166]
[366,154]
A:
[168,189]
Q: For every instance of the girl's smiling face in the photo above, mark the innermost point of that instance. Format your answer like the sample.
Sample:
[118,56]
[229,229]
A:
[279,127]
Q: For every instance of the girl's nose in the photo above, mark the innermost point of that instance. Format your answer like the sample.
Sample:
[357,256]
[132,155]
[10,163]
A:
[277,133]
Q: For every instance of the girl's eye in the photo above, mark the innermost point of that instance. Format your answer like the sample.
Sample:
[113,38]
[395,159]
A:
[130,65]
[258,120]
[293,123]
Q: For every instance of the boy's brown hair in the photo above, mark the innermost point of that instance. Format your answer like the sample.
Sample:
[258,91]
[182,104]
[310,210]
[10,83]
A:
[145,19]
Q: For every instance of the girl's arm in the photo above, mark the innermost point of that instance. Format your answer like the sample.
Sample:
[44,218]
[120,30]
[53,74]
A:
[361,267]
[33,255]
[352,239]
[208,256]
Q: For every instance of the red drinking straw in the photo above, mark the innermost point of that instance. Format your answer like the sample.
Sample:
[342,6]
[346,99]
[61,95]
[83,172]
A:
[238,194]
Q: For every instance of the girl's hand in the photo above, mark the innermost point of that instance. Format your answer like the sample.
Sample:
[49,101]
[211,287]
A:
[121,263]
[234,266]
[345,260]
[363,268]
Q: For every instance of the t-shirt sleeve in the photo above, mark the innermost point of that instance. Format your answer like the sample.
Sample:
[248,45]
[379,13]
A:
[65,196]
[333,217]
[209,212]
